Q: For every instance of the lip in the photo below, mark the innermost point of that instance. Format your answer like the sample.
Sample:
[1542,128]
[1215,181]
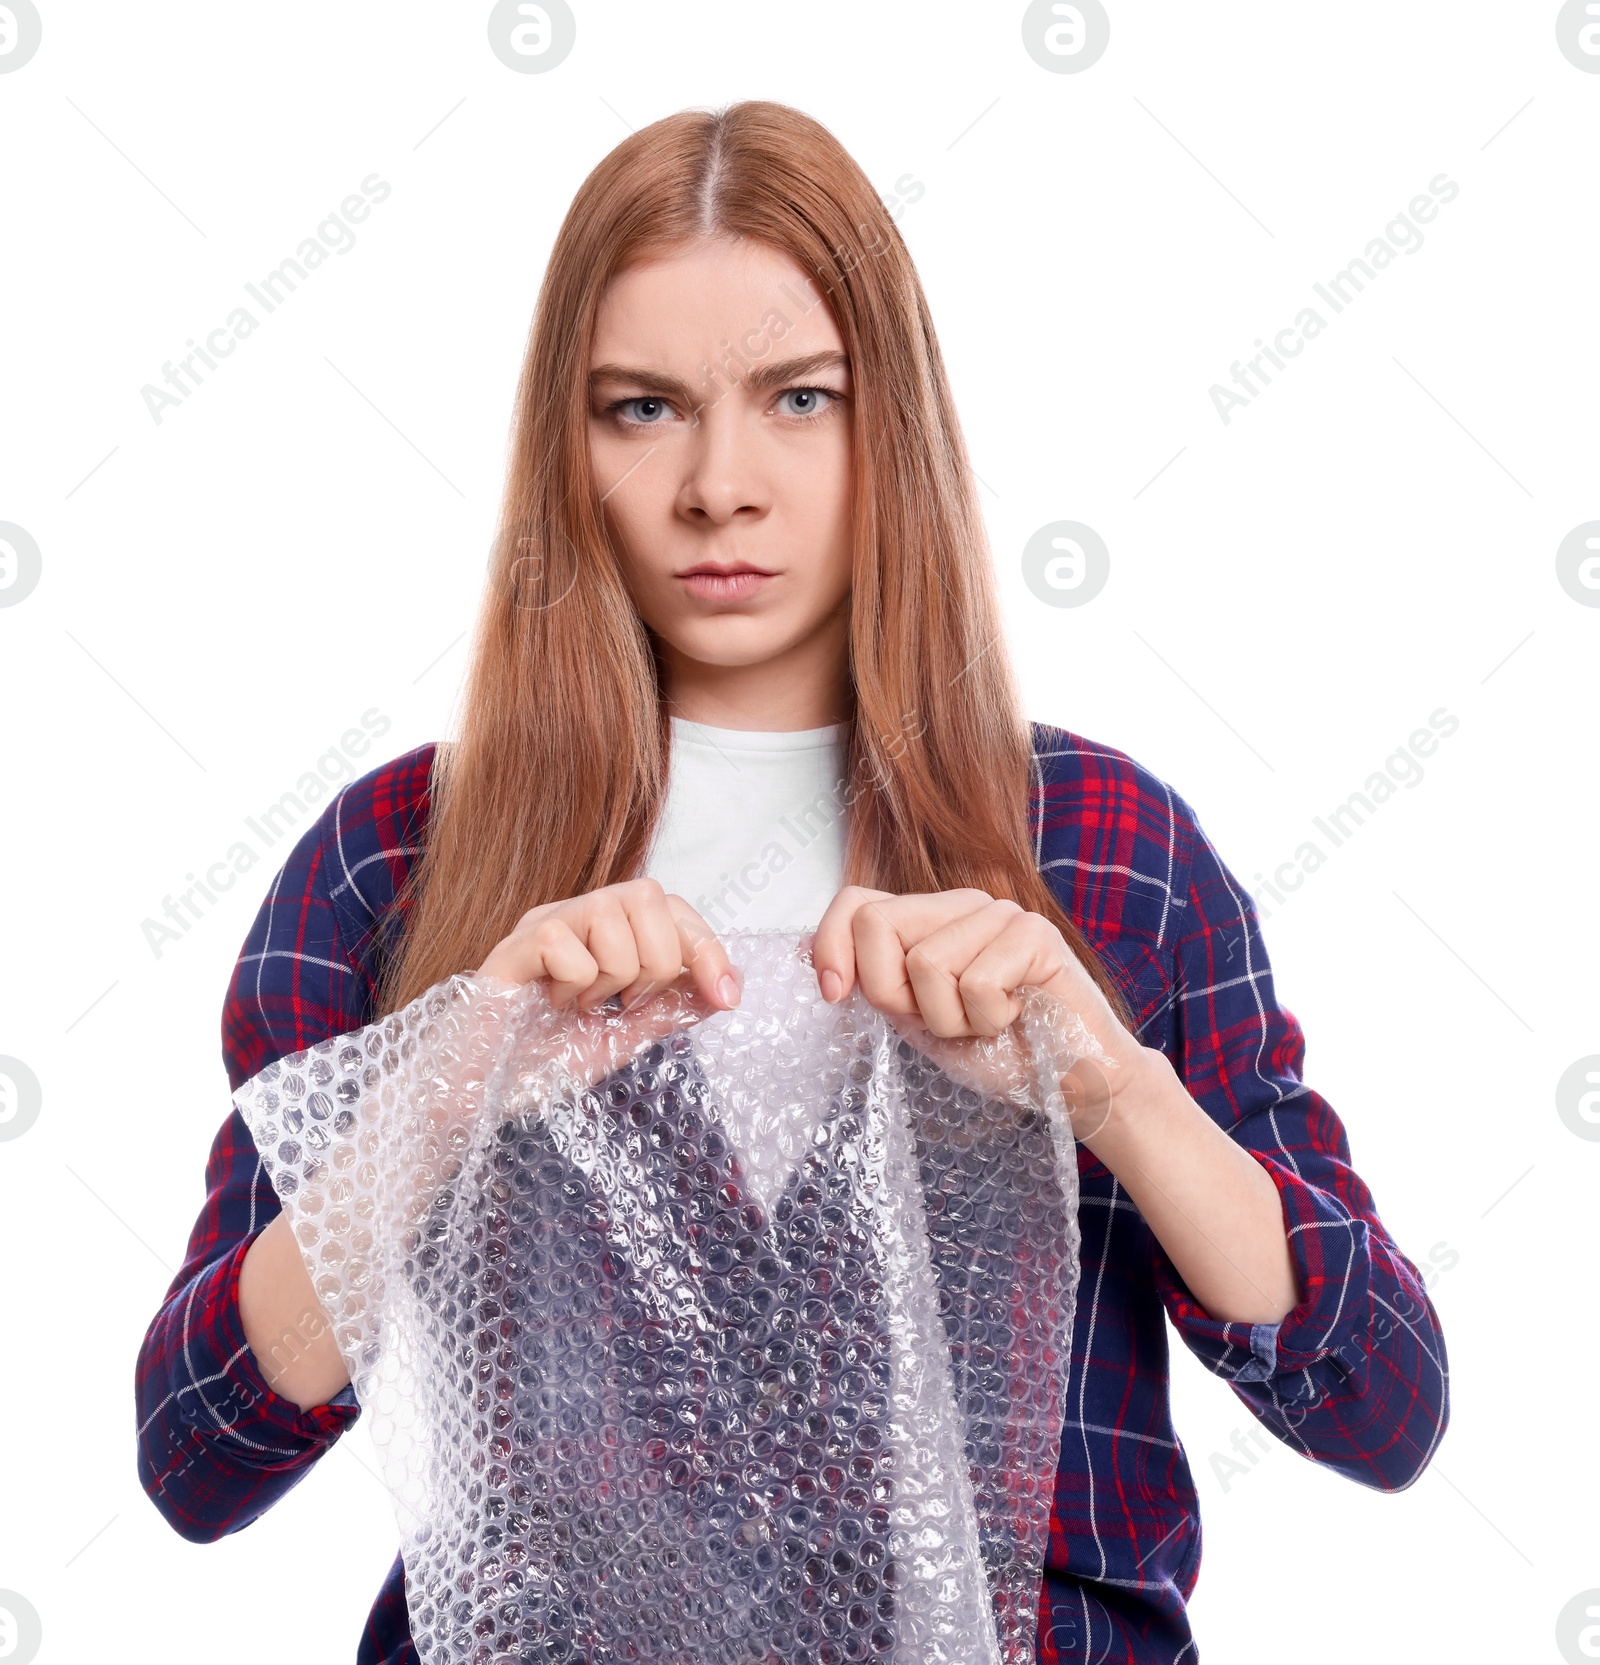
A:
[736,581]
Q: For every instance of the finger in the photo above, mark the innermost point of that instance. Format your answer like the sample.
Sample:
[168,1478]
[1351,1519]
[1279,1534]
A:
[655,935]
[555,950]
[608,935]
[885,930]
[962,973]
[1029,951]
[833,949]
[710,969]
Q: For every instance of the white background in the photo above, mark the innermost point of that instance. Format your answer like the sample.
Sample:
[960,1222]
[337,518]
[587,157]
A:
[1373,538]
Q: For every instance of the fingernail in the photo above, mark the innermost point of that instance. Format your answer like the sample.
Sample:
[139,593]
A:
[728,989]
[832,986]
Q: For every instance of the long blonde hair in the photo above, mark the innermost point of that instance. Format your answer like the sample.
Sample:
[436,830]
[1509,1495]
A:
[557,779]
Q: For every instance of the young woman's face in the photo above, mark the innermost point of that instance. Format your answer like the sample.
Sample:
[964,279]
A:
[720,431]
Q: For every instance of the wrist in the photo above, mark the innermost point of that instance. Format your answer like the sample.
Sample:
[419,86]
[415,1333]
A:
[1137,1095]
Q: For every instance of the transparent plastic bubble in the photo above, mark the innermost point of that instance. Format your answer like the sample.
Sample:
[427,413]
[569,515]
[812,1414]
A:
[728,1339]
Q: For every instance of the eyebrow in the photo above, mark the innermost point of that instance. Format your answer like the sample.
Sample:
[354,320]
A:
[782,373]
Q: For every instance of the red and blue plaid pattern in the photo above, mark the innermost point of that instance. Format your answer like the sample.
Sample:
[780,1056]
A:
[1354,1377]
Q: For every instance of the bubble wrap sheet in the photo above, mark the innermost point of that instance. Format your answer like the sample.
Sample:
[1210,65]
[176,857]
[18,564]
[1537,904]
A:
[720,1340]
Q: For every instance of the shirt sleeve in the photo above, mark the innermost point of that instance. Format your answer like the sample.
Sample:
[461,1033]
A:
[1355,1376]
[215,1445]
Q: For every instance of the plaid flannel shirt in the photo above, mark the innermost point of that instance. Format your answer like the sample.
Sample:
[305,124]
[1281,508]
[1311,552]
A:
[1354,1377]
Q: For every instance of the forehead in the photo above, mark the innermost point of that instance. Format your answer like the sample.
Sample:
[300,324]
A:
[689,307]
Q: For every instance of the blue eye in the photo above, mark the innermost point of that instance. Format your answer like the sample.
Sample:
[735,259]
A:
[650,407]
[814,399]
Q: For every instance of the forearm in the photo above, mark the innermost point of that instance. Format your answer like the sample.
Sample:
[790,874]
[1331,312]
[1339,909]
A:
[284,1323]
[216,1446]
[1210,1204]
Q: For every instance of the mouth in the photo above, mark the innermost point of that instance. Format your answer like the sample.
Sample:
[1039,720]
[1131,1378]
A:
[734,581]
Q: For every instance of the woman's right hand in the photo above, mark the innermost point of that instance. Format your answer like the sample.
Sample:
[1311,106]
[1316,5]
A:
[627,939]
[634,941]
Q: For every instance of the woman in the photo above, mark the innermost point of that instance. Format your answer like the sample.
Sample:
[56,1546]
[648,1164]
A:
[739,664]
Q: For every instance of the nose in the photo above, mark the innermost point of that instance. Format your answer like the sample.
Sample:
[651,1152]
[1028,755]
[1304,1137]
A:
[723,475]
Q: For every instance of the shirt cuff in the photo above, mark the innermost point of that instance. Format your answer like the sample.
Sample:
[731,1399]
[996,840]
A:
[232,1391]
[1330,1250]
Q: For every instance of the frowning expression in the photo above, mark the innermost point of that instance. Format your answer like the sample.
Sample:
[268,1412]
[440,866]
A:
[720,433]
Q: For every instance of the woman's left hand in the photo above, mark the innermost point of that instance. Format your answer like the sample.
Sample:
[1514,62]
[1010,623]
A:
[951,961]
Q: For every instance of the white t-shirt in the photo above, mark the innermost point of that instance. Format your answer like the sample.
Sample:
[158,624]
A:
[752,837]
[752,833]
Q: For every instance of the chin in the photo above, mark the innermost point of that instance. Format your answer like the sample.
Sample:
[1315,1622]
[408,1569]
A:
[731,641]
